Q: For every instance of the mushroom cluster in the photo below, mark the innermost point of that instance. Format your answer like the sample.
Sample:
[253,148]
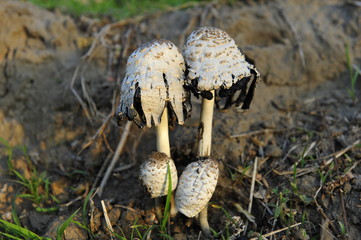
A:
[158,79]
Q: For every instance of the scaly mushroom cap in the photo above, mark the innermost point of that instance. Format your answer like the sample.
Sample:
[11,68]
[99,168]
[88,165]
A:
[215,63]
[196,186]
[154,78]
[153,174]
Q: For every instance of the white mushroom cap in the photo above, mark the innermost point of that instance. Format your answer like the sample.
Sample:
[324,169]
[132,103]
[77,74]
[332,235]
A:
[153,174]
[154,77]
[196,186]
[215,62]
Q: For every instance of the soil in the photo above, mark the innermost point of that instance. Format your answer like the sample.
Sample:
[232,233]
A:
[303,128]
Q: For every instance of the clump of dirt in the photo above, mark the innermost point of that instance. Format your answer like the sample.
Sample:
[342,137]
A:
[303,128]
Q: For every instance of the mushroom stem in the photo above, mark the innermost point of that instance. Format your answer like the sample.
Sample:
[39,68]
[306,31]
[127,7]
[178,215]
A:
[203,221]
[204,149]
[205,127]
[163,146]
[162,134]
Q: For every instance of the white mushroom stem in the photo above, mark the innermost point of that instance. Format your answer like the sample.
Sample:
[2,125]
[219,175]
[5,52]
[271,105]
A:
[204,149]
[203,221]
[162,134]
[205,128]
[163,146]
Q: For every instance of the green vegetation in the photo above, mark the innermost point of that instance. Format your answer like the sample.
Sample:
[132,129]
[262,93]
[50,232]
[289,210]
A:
[36,187]
[13,231]
[353,71]
[115,8]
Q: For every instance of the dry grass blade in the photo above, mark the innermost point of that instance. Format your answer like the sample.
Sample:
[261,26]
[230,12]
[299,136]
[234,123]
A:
[252,185]
[107,220]
[258,132]
[277,231]
[117,153]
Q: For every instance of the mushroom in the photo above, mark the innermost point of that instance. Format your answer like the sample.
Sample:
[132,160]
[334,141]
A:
[154,83]
[195,188]
[153,174]
[216,68]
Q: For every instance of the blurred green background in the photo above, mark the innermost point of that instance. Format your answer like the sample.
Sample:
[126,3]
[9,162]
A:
[119,9]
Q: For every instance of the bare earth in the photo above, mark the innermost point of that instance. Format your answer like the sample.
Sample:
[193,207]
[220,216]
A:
[303,128]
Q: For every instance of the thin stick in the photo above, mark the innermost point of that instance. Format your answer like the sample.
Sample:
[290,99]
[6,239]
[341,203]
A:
[82,103]
[107,220]
[277,231]
[117,153]
[258,132]
[252,185]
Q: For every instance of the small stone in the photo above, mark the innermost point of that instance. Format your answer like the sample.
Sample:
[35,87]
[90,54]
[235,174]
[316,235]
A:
[307,185]
[347,188]
[114,215]
[273,151]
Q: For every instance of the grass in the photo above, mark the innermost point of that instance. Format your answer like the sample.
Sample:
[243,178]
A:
[354,73]
[34,188]
[115,8]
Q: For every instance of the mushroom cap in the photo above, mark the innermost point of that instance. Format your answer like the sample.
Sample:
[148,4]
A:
[215,62]
[196,186]
[153,174]
[154,78]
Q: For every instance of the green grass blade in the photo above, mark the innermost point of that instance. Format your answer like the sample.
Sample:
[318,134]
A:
[85,210]
[165,236]
[50,209]
[14,213]
[64,225]
[19,230]
[167,203]
[10,236]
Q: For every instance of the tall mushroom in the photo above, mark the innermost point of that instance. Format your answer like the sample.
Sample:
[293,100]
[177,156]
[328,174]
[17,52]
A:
[216,68]
[154,83]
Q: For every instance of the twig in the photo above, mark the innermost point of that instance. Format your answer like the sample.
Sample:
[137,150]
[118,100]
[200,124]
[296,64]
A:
[102,169]
[128,208]
[107,220]
[251,193]
[115,157]
[258,132]
[342,201]
[99,132]
[277,231]
[82,103]
[252,185]
[319,208]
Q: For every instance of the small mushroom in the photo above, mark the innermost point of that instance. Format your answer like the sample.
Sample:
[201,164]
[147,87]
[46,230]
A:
[154,83]
[216,68]
[153,174]
[195,188]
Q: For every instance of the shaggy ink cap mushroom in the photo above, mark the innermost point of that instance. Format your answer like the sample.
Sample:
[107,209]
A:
[196,186]
[154,79]
[215,63]
[153,174]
